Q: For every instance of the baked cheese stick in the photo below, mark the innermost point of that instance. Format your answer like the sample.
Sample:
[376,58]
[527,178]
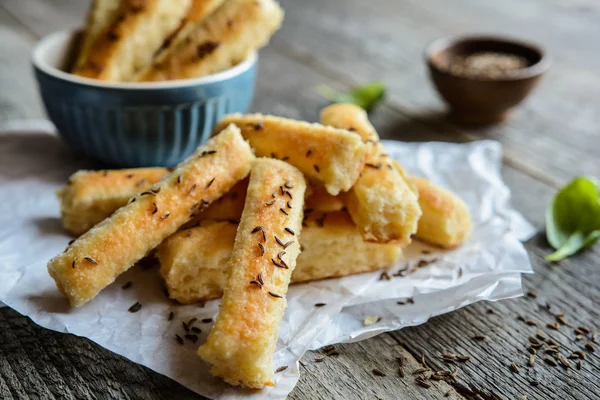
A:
[331,247]
[131,41]
[241,343]
[232,32]
[446,221]
[94,260]
[91,196]
[383,203]
[101,15]
[332,156]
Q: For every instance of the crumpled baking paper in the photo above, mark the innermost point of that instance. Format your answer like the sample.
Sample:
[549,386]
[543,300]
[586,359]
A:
[34,163]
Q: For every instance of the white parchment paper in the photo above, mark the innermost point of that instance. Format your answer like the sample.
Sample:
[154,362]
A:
[34,163]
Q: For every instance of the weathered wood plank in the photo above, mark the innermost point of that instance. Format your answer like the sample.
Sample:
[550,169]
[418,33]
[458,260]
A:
[384,40]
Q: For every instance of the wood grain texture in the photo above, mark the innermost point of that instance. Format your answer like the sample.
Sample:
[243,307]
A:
[552,137]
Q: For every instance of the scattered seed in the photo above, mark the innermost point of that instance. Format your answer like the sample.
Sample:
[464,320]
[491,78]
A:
[328,348]
[584,329]
[165,216]
[378,372]
[90,260]
[590,347]
[275,295]
[192,189]
[280,263]
[410,300]
[554,326]
[179,339]
[73,263]
[288,244]
[375,166]
[478,338]
[550,361]
[171,316]
[308,153]
[258,228]
[270,203]
[281,369]
[185,326]
[316,167]
[127,285]
[283,211]
[514,368]
[320,359]
[530,322]
[561,319]
[532,350]
[532,294]
[178,179]
[579,364]
[191,337]
[401,371]
[262,249]
[552,342]
[448,393]
[279,242]
[564,362]
[534,383]
[135,307]
[540,335]
[320,304]
[531,360]
[288,185]
[191,321]
[384,276]
[210,183]
[449,355]
[463,358]
[422,383]
[256,283]
[580,353]
[140,182]
[196,330]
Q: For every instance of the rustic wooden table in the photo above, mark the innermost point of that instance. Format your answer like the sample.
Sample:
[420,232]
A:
[552,138]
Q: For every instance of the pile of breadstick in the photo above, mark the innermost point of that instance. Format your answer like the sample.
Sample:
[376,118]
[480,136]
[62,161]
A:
[266,202]
[154,40]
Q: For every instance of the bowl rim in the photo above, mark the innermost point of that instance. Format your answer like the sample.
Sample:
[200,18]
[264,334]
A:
[39,62]
[443,43]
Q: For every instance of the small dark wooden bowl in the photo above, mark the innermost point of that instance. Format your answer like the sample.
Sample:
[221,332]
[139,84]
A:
[483,100]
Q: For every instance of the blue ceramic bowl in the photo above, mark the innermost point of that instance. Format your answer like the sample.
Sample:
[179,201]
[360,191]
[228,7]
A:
[136,124]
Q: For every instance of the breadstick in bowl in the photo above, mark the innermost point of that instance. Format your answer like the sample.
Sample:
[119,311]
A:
[218,42]
[383,202]
[241,344]
[94,260]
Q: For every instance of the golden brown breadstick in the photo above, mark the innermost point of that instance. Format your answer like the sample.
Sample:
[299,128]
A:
[446,221]
[383,203]
[331,247]
[91,196]
[219,42]
[132,39]
[94,260]
[241,343]
[101,15]
[332,156]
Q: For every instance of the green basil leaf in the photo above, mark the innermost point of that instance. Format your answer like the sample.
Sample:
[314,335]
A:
[573,218]
[364,96]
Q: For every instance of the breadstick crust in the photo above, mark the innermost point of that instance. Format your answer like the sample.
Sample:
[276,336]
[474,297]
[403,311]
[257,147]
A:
[101,15]
[383,202]
[92,196]
[232,32]
[241,344]
[334,157]
[446,221]
[97,258]
[331,246]
[199,9]
[129,44]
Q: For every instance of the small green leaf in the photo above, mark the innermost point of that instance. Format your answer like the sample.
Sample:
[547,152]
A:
[365,96]
[573,218]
